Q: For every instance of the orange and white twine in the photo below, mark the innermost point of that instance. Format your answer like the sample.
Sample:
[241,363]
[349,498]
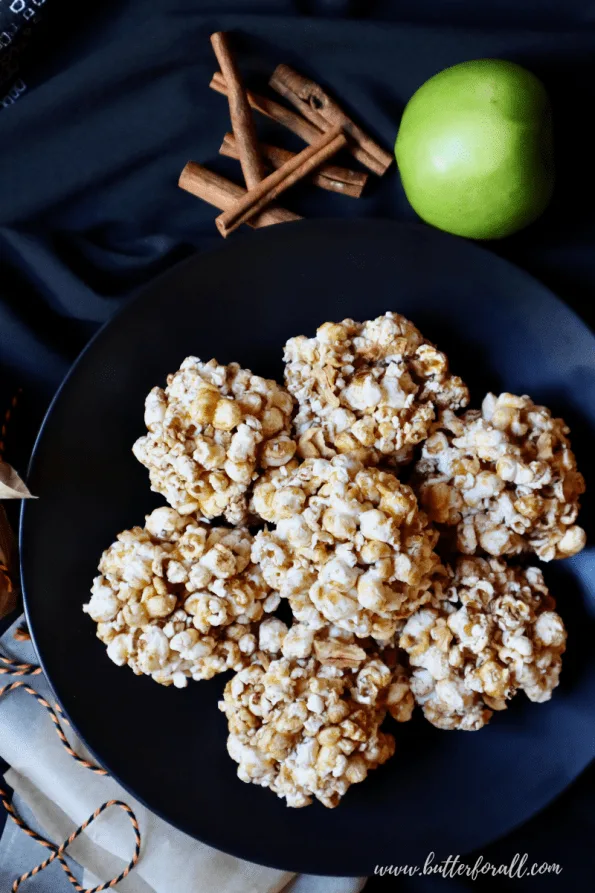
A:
[16,668]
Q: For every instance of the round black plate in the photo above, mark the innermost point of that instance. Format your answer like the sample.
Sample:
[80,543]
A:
[444,791]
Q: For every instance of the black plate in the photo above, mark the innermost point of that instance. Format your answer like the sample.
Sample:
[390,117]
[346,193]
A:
[444,791]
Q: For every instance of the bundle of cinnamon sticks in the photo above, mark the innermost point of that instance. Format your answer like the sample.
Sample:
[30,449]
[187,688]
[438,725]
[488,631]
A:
[319,121]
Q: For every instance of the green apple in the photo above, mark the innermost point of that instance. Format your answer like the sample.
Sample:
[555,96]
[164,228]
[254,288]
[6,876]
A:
[474,149]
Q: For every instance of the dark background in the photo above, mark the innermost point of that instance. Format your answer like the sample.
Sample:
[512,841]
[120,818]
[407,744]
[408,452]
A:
[116,102]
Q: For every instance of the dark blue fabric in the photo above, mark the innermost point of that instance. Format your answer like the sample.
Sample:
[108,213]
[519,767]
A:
[117,101]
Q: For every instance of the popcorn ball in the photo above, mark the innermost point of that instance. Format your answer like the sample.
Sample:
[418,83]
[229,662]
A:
[308,724]
[496,634]
[210,431]
[505,478]
[350,546]
[371,389]
[179,600]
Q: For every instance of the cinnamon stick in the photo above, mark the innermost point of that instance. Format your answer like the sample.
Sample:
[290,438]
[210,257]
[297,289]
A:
[224,194]
[324,113]
[240,113]
[271,109]
[328,176]
[298,167]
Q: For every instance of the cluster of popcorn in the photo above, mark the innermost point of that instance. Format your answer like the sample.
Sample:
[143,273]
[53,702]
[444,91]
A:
[179,600]
[349,547]
[496,633]
[308,724]
[210,432]
[369,389]
[505,479]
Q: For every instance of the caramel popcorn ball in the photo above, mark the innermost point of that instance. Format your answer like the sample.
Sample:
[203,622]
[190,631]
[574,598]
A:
[308,724]
[210,431]
[179,600]
[496,634]
[505,478]
[371,389]
[350,546]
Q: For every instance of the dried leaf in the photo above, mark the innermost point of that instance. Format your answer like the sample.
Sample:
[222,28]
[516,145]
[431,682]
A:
[7,541]
[11,486]
[8,595]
